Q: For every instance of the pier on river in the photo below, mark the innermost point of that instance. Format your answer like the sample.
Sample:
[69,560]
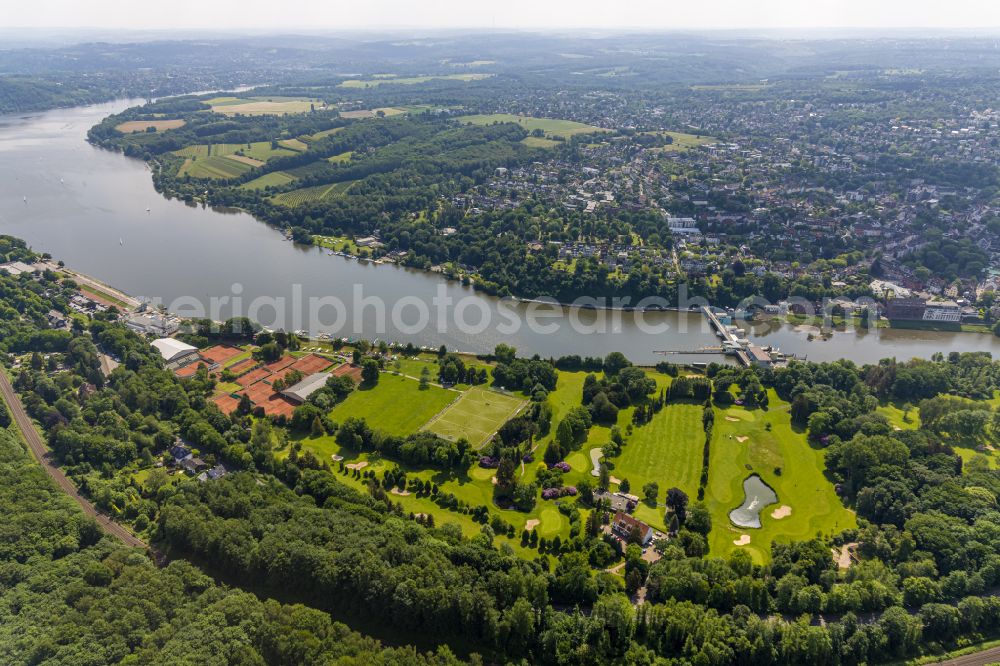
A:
[746,353]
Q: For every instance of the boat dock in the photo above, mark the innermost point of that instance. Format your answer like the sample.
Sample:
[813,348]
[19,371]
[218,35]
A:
[732,344]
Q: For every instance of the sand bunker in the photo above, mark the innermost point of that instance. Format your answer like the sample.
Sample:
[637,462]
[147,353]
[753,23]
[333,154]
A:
[335,457]
[357,465]
[741,438]
[401,493]
[595,461]
[743,540]
[732,418]
[494,480]
[782,511]
[615,480]
[532,524]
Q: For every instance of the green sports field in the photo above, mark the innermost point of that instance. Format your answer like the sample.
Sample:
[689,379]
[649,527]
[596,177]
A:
[396,405]
[476,415]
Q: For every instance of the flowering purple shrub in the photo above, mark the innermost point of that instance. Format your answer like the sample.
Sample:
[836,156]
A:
[556,493]
[489,462]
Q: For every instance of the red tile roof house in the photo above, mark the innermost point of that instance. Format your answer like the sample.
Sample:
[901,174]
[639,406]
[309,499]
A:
[623,525]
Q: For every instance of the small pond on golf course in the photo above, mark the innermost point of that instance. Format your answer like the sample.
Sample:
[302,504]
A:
[756,496]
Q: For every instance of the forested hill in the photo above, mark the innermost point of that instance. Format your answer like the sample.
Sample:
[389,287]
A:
[72,596]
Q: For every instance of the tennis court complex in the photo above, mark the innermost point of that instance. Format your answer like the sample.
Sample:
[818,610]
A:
[476,415]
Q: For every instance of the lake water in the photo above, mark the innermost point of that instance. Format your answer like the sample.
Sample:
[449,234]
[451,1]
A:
[88,207]
[757,496]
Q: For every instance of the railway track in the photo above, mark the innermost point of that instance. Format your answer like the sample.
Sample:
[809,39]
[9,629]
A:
[42,455]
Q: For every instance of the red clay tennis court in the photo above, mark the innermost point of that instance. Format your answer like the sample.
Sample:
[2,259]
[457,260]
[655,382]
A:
[311,363]
[188,370]
[240,367]
[227,404]
[353,371]
[280,364]
[258,393]
[252,377]
[220,353]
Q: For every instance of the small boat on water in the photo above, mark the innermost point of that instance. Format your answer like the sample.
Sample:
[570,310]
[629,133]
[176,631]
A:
[121,241]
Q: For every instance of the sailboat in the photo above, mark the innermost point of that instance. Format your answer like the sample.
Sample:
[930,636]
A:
[121,241]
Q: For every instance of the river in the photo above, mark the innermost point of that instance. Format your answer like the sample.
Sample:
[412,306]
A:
[88,207]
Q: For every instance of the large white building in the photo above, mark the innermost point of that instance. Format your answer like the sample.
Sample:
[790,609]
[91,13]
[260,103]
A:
[301,391]
[174,352]
[682,225]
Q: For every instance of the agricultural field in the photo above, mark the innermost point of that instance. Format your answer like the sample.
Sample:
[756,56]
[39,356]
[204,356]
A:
[213,167]
[396,405]
[411,80]
[342,157]
[272,179]
[322,135]
[133,126]
[765,443]
[309,194]
[476,415]
[550,126]
[294,144]
[372,113]
[263,106]
[264,150]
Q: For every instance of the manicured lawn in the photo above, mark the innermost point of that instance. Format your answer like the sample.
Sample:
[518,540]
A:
[395,405]
[786,462]
[968,454]
[550,126]
[894,413]
[667,450]
[476,415]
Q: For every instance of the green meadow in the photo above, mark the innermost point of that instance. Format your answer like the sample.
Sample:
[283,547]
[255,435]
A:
[550,126]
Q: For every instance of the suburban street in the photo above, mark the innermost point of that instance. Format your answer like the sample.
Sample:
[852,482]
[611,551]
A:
[40,453]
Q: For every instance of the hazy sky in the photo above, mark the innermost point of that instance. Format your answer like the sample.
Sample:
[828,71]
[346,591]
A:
[551,14]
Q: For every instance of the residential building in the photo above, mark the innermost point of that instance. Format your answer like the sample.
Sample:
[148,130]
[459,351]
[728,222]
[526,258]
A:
[624,525]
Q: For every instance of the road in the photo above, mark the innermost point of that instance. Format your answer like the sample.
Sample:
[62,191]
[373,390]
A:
[38,450]
[991,656]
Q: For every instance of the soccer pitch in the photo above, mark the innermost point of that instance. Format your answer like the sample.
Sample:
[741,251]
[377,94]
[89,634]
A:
[476,415]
